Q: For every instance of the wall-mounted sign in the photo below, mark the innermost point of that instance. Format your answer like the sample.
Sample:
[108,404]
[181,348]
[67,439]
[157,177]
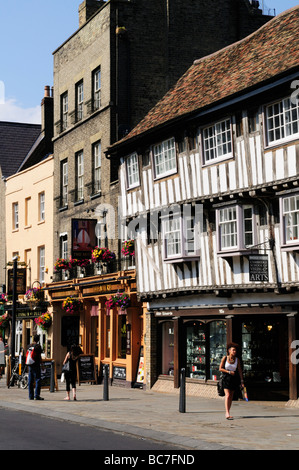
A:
[258,268]
[83,238]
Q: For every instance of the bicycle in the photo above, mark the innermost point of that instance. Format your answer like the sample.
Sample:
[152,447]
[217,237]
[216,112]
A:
[20,380]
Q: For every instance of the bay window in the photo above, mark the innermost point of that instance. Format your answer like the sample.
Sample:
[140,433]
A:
[180,237]
[289,210]
[235,229]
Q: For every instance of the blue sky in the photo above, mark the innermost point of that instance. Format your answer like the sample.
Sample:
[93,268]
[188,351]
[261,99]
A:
[30,32]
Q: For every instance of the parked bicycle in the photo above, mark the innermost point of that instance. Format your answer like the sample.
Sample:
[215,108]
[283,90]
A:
[20,380]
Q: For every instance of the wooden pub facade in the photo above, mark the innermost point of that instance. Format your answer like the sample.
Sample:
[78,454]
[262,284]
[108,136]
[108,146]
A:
[210,179]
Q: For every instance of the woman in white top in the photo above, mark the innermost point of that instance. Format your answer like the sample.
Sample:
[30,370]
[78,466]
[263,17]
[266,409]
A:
[232,374]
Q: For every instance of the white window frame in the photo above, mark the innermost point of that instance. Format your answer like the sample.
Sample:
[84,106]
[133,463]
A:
[289,212]
[64,111]
[41,263]
[97,166]
[165,160]
[278,121]
[15,216]
[42,206]
[80,100]
[132,166]
[182,235]
[231,222]
[97,85]
[64,183]
[64,245]
[80,175]
[217,141]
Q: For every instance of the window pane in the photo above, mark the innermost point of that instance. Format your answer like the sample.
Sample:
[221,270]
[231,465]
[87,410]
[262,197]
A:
[165,157]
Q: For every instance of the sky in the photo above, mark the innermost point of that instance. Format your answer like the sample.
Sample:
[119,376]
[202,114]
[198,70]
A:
[30,32]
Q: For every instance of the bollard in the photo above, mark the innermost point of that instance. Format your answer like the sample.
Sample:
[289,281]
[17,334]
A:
[52,384]
[106,378]
[182,407]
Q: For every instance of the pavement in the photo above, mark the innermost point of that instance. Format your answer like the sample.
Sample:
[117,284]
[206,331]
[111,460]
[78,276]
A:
[155,416]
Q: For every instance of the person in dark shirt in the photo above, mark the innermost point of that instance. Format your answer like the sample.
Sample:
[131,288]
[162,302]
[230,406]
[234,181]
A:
[35,371]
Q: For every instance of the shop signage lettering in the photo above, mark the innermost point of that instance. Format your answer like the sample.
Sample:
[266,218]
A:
[103,289]
[258,268]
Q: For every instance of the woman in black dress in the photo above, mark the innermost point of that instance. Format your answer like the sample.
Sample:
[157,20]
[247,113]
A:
[71,374]
[232,375]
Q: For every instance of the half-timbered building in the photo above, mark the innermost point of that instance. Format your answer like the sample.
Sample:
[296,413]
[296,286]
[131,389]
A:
[210,187]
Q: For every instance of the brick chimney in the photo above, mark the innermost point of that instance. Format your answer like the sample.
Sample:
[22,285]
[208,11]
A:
[87,8]
[47,117]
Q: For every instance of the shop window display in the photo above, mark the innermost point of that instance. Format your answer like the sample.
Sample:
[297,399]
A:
[206,345]
[264,352]
[167,348]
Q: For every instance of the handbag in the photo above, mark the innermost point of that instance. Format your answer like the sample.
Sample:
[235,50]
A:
[66,367]
[220,387]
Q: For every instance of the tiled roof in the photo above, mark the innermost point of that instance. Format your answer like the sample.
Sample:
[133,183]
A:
[16,140]
[268,52]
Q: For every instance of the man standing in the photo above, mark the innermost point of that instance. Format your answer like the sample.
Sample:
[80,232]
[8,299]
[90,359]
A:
[35,370]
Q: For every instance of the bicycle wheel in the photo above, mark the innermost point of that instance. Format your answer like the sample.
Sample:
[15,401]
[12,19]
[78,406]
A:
[24,382]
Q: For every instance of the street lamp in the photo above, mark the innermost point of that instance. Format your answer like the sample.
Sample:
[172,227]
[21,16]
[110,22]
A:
[14,308]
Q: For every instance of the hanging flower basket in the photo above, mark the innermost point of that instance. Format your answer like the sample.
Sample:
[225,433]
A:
[4,321]
[121,301]
[33,295]
[3,299]
[61,264]
[128,248]
[44,321]
[72,305]
[102,255]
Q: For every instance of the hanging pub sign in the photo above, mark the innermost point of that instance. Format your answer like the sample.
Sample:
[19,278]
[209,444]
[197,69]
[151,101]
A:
[258,268]
[21,281]
[83,238]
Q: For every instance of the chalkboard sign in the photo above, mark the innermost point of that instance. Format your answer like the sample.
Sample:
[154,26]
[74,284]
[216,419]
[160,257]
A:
[46,374]
[119,373]
[86,368]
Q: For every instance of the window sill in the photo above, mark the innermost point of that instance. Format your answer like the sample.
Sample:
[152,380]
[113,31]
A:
[64,208]
[78,203]
[182,259]
[27,227]
[233,253]
[293,247]
[96,195]
[40,222]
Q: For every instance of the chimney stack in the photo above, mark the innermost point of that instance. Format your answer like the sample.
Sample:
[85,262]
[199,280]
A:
[47,116]
[87,8]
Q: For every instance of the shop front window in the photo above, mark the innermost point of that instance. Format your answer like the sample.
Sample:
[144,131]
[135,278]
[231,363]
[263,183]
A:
[167,348]
[205,347]
[122,336]
[196,351]
[217,347]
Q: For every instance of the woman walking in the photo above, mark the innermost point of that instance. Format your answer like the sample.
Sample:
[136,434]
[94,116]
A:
[70,371]
[232,374]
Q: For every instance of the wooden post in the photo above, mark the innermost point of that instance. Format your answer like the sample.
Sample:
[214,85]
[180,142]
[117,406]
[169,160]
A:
[293,393]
